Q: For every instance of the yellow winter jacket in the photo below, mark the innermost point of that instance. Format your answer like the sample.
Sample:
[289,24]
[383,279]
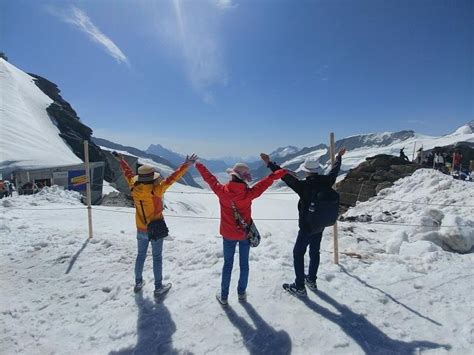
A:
[150,194]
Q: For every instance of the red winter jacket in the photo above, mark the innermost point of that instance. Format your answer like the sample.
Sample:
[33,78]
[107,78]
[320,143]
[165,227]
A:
[241,195]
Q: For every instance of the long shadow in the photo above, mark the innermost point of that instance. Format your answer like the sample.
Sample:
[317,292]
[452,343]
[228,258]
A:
[389,296]
[155,329]
[370,338]
[74,258]
[263,339]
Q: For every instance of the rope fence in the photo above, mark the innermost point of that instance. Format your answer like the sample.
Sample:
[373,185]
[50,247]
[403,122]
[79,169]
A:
[255,219]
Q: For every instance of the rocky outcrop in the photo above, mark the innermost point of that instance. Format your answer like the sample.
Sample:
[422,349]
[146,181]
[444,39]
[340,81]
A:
[373,175]
[72,130]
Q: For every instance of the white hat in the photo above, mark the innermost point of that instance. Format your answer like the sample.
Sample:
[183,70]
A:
[310,165]
[242,171]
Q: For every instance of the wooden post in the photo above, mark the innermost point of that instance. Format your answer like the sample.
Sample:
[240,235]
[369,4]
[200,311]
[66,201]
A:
[88,189]
[332,154]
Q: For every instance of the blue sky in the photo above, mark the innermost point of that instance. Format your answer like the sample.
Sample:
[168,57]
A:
[231,77]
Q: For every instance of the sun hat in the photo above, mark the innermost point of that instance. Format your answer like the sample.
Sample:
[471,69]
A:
[310,165]
[240,170]
[146,173]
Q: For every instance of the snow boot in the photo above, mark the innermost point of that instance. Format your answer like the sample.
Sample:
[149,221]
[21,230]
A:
[138,286]
[291,288]
[222,301]
[159,292]
[242,297]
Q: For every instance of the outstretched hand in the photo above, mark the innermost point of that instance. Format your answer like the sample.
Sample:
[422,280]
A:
[117,156]
[265,158]
[342,151]
[190,160]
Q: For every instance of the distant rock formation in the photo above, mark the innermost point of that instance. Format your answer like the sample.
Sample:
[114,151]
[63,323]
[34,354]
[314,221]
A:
[72,130]
[367,179]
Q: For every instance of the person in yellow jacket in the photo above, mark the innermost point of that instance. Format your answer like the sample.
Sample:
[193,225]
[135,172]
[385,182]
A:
[147,190]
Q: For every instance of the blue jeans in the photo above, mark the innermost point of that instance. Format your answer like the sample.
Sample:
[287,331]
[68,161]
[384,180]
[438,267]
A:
[157,250]
[229,251]
[302,242]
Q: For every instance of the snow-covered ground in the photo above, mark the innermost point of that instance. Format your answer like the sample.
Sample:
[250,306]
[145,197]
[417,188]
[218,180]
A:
[63,294]
[28,137]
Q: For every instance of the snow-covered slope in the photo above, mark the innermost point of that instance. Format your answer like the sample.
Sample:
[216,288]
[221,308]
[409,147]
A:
[29,139]
[405,294]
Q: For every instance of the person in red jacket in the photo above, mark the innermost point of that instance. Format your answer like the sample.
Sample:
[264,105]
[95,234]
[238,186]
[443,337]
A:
[241,195]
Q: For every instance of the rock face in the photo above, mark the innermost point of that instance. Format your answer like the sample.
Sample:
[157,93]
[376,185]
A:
[72,130]
[373,175]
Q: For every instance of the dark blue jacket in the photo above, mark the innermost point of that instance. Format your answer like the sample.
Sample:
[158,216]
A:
[305,188]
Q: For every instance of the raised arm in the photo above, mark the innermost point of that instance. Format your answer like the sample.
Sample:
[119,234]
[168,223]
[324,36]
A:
[332,176]
[126,169]
[210,179]
[260,187]
[179,173]
[293,182]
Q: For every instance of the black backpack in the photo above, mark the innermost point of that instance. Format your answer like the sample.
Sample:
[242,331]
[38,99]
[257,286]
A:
[322,210]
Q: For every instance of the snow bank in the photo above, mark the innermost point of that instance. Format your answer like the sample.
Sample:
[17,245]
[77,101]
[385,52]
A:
[438,208]
[47,196]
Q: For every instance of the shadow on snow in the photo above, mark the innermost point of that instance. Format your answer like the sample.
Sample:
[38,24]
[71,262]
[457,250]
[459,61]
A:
[370,338]
[261,339]
[74,258]
[389,296]
[155,329]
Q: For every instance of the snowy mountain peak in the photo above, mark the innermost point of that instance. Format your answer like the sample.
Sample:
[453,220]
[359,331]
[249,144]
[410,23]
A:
[281,152]
[468,128]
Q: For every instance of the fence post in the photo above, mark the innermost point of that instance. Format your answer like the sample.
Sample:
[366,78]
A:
[88,189]
[332,154]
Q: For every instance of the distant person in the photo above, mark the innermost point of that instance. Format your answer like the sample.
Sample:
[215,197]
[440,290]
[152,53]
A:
[306,189]
[439,161]
[402,154]
[236,194]
[419,156]
[147,190]
[457,158]
[3,189]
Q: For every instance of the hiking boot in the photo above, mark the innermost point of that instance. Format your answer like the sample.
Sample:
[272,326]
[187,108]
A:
[138,286]
[162,290]
[311,284]
[223,301]
[243,297]
[295,290]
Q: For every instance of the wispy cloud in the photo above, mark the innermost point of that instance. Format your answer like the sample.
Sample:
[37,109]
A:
[192,29]
[80,20]
[225,4]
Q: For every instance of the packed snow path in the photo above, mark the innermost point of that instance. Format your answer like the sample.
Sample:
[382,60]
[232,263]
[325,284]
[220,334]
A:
[63,294]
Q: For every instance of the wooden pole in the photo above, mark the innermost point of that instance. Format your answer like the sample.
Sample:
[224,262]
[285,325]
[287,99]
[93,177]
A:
[88,189]
[332,154]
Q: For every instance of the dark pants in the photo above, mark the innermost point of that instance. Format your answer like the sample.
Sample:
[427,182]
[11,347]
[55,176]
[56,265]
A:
[302,242]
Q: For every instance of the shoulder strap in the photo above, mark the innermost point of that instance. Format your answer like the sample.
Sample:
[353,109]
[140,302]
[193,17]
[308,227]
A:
[238,218]
[143,211]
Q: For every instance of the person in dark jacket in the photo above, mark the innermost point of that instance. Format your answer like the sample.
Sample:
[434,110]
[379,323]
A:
[305,189]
